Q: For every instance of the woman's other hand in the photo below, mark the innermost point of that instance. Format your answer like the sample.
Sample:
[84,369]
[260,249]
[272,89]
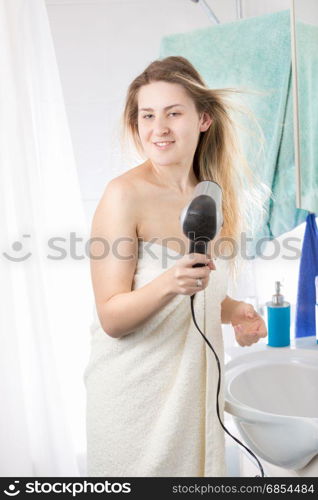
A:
[248,325]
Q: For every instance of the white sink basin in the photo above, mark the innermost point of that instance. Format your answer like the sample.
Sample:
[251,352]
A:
[273,398]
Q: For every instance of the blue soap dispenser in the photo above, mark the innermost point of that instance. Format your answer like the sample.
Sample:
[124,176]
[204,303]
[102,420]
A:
[278,319]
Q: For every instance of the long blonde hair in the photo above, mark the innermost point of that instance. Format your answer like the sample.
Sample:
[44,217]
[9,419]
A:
[218,156]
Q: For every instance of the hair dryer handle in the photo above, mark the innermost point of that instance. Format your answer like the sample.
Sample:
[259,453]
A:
[198,247]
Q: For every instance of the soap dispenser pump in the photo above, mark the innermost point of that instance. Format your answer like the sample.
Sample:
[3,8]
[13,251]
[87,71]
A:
[278,319]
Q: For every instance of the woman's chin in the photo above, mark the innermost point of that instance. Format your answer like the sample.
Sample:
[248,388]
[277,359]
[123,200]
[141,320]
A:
[165,160]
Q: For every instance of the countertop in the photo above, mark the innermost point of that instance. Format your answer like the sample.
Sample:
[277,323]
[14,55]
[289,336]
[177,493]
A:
[261,345]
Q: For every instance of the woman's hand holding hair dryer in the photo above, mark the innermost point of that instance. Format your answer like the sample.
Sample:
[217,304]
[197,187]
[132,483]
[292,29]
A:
[183,276]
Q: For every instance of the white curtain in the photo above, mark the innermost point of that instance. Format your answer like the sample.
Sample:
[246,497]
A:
[45,293]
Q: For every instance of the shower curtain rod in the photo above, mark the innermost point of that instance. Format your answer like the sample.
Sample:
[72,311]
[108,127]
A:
[211,14]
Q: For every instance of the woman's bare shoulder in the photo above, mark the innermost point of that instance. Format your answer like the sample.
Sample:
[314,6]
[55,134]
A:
[133,182]
[127,188]
[137,176]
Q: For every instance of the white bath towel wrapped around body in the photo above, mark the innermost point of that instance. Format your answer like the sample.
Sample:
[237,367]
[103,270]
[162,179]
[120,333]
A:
[151,395]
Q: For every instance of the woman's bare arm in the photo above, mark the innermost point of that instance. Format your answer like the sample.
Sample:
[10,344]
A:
[114,255]
[227,309]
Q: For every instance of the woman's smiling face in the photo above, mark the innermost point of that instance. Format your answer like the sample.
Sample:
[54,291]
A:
[168,123]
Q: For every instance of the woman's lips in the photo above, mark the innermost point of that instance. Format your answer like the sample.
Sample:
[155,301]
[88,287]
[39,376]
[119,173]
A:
[163,144]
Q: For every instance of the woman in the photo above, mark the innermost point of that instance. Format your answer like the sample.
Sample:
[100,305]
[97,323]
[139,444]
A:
[151,380]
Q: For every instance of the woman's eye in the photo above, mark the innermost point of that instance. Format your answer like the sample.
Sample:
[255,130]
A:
[150,115]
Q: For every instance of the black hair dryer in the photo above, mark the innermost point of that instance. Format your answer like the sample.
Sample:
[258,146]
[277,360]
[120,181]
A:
[202,218]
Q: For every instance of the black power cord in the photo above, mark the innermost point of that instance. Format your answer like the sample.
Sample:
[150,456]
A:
[218,392]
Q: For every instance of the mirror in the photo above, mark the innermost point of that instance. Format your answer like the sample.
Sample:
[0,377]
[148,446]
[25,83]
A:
[304,31]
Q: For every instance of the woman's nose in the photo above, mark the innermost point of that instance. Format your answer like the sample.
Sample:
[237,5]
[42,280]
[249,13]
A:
[161,126]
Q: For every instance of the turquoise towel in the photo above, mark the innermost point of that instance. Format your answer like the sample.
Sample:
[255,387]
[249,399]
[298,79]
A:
[305,324]
[307,55]
[255,54]
[283,217]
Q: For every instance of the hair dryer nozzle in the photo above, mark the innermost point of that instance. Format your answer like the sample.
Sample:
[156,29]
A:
[202,218]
